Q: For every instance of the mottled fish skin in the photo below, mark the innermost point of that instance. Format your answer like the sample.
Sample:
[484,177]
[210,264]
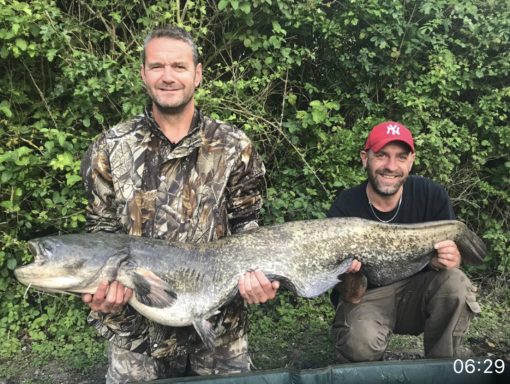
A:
[179,284]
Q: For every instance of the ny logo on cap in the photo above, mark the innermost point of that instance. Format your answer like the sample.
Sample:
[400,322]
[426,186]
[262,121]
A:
[393,129]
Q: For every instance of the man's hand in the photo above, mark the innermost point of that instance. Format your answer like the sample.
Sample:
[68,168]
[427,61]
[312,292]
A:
[256,288]
[448,255]
[109,298]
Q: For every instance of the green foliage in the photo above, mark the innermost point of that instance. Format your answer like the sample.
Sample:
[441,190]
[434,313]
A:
[305,80]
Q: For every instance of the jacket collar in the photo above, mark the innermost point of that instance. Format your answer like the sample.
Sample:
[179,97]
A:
[188,143]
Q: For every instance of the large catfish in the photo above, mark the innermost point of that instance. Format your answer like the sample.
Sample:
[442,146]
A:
[179,284]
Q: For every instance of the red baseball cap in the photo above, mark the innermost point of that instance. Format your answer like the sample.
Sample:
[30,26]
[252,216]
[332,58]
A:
[386,132]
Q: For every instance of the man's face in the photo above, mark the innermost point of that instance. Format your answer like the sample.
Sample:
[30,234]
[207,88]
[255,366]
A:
[389,168]
[169,74]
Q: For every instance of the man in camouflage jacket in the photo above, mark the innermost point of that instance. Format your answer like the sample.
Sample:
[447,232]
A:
[176,174]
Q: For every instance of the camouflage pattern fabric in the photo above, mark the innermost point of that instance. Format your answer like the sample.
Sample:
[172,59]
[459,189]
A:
[126,366]
[207,186]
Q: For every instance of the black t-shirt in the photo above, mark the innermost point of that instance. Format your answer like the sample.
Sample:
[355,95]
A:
[422,200]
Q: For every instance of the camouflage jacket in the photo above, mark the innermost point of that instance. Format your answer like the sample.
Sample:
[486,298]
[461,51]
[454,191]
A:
[208,185]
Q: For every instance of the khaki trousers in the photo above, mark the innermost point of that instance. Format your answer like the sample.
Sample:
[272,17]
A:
[439,304]
[125,366]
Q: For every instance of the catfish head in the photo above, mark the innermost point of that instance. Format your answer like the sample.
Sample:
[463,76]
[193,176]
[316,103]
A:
[72,263]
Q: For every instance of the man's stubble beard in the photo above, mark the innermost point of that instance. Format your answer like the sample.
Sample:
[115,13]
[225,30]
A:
[373,182]
[171,109]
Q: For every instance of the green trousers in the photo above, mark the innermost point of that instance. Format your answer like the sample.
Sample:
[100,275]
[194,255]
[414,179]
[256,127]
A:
[439,304]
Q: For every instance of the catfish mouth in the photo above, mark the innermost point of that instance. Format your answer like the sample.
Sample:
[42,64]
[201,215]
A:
[57,268]
[27,272]
[39,252]
[35,276]
[33,248]
[41,275]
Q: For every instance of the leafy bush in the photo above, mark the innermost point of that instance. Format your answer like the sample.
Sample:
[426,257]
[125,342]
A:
[305,79]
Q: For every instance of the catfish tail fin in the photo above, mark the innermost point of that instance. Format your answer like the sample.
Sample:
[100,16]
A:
[471,247]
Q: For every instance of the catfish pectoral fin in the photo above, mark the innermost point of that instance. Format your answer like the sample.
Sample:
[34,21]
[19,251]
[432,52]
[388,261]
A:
[151,290]
[206,332]
[353,287]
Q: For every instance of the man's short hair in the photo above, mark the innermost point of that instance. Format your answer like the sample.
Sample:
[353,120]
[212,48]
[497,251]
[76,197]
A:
[171,32]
